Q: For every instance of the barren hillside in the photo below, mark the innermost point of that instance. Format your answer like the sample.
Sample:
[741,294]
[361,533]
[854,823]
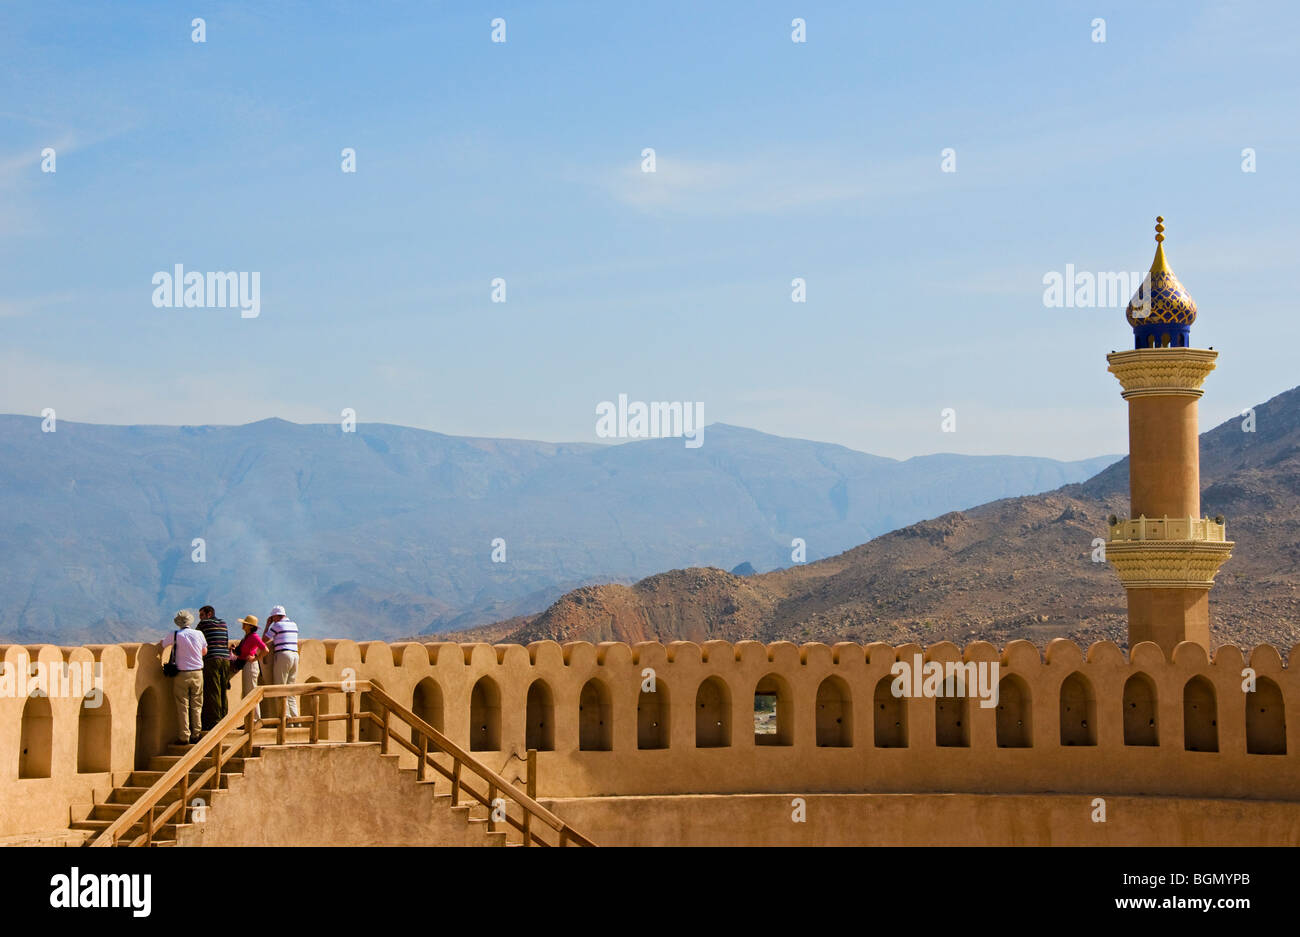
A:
[1015,568]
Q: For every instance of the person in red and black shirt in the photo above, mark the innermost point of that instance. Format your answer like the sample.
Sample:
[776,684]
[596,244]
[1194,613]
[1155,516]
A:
[216,667]
[245,658]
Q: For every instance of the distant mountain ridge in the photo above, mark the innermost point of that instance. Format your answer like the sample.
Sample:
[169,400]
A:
[390,531]
[1013,568]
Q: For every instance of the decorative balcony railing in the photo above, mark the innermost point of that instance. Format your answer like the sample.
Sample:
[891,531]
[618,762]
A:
[1169,529]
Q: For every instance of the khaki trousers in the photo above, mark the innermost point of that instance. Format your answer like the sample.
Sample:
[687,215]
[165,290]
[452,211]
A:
[284,669]
[251,671]
[187,687]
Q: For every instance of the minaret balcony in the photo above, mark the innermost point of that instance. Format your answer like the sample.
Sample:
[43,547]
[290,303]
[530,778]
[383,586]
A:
[1168,552]
[1177,529]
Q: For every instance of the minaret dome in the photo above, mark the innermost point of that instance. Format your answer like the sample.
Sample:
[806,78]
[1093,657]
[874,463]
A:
[1161,311]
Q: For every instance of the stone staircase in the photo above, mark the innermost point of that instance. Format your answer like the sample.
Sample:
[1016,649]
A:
[466,824]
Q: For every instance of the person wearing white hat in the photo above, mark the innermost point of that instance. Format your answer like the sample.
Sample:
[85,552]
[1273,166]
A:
[281,635]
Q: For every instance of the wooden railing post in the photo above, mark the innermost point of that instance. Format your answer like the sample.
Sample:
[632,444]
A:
[492,807]
[315,718]
[424,757]
[530,782]
[249,729]
[455,783]
[352,716]
[528,827]
[284,717]
[383,730]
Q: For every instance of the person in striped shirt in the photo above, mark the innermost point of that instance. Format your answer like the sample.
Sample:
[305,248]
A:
[281,635]
[216,667]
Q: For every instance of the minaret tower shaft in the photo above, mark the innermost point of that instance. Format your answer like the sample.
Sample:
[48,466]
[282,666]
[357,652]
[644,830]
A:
[1166,555]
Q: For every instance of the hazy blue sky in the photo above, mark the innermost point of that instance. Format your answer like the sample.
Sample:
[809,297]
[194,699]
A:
[522,160]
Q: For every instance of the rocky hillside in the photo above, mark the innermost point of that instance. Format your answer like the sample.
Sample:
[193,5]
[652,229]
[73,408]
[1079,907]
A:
[1014,568]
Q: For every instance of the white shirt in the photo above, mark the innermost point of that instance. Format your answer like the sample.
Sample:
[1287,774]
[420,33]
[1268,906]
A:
[189,656]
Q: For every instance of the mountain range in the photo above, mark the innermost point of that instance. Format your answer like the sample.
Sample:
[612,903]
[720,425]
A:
[391,531]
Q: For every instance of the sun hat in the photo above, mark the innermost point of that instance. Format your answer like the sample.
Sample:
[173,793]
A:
[277,610]
[249,620]
[183,618]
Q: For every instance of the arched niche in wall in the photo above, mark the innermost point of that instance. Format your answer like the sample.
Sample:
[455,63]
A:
[1200,716]
[539,715]
[595,722]
[94,733]
[652,717]
[1141,711]
[485,716]
[369,731]
[1015,722]
[1265,719]
[426,702]
[890,714]
[834,713]
[36,744]
[1078,711]
[148,728]
[713,714]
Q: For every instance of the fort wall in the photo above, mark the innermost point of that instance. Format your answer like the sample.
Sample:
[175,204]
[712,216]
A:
[1094,722]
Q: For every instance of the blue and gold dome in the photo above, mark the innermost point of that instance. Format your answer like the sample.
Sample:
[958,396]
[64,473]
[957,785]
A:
[1161,311]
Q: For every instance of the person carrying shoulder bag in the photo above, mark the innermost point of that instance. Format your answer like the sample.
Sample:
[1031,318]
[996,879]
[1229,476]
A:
[186,670]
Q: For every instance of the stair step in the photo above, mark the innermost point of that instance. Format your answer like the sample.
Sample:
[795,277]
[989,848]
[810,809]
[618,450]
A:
[130,793]
[272,736]
[149,778]
[93,825]
[166,831]
[110,812]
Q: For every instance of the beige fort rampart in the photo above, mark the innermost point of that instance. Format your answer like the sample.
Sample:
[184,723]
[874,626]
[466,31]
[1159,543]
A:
[1170,734]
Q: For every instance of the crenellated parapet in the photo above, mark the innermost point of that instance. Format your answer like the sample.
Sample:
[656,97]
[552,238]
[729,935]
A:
[653,718]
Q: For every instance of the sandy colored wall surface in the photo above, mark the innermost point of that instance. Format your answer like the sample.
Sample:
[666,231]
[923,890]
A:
[479,695]
[927,820]
[345,795]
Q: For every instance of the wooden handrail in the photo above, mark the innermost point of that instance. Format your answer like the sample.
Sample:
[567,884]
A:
[462,757]
[214,739]
[240,723]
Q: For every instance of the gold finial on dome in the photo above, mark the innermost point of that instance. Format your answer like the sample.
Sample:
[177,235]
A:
[1158,263]
[1166,304]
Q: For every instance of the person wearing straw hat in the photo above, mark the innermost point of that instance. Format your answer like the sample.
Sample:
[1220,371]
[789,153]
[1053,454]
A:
[245,655]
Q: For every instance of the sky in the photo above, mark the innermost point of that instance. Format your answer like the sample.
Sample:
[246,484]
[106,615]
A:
[523,160]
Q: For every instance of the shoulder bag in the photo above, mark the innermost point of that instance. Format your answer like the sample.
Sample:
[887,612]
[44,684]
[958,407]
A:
[170,669]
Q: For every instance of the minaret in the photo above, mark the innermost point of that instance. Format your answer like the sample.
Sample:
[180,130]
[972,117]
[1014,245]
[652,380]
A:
[1166,554]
